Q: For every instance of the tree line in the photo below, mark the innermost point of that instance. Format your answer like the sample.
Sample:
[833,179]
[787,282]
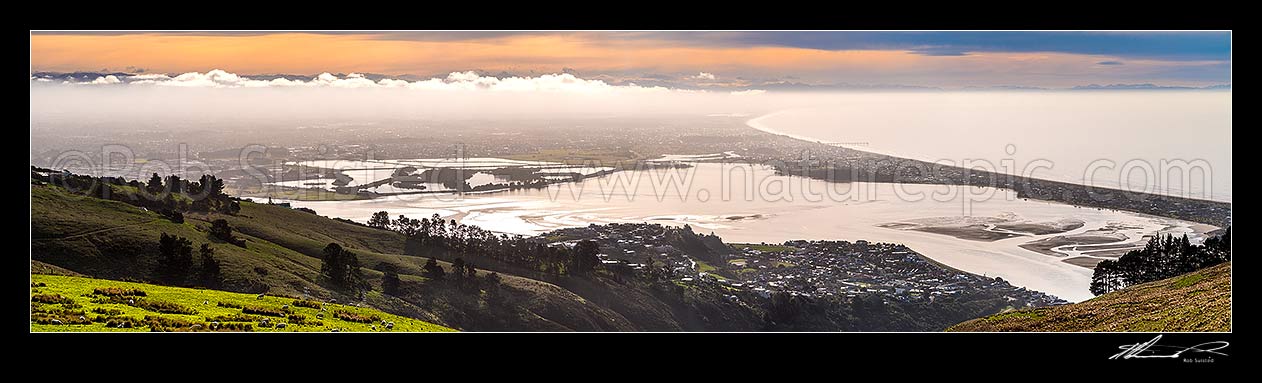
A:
[1162,257]
[170,196]
[341,267]
[437,234]
[175,262]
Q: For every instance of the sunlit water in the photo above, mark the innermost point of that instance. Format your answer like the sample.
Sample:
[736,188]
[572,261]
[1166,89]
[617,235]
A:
[374,171]
[1131,131]
[749,203]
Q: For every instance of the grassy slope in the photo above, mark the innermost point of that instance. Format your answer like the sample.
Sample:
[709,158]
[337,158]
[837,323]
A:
[548,306]
[113,240]
[38,267]
[1197,301]
[205,302]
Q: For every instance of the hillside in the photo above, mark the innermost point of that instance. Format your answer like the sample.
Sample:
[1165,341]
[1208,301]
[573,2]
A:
[105,239]
[74,234]
[65,303]
[1197,301]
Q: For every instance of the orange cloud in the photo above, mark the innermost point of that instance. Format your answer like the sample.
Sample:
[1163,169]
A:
[314,53]
[308,53]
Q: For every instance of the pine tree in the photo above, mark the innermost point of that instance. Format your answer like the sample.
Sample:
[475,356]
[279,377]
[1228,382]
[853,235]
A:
[457,268]
[210,273]
[390,280]
[332,264]
[175,258]
[380,220]
[1162,257]
[585,256]
[174,183]
[341,266]
[154,186]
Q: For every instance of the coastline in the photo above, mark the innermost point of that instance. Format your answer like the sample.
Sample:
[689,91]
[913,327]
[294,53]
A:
[757,124]
[1198,229]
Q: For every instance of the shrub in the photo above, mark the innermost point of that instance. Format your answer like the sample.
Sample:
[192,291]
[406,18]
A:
[123,322]
[40,302]
[50,299]
[118,292]
[260,310]
[53,310]
[107,311]
[161,323]
[38,284]
[163,307]
[302,320]
[43,314]
[64,318]
[231,326]
[307,304]
[178,329]
[228,305]
[221,229]
[235,318]
[280,295]
[355,317]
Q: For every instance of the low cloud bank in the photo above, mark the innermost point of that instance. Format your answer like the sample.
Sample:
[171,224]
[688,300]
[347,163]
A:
[461,81]
[218,95]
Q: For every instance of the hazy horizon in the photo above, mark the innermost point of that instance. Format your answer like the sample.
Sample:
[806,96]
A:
[717,59]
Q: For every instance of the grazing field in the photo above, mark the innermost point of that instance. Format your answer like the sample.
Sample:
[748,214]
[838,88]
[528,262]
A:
[69,304]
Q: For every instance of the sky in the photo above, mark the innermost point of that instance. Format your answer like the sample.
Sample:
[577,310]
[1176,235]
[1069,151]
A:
[689,60]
